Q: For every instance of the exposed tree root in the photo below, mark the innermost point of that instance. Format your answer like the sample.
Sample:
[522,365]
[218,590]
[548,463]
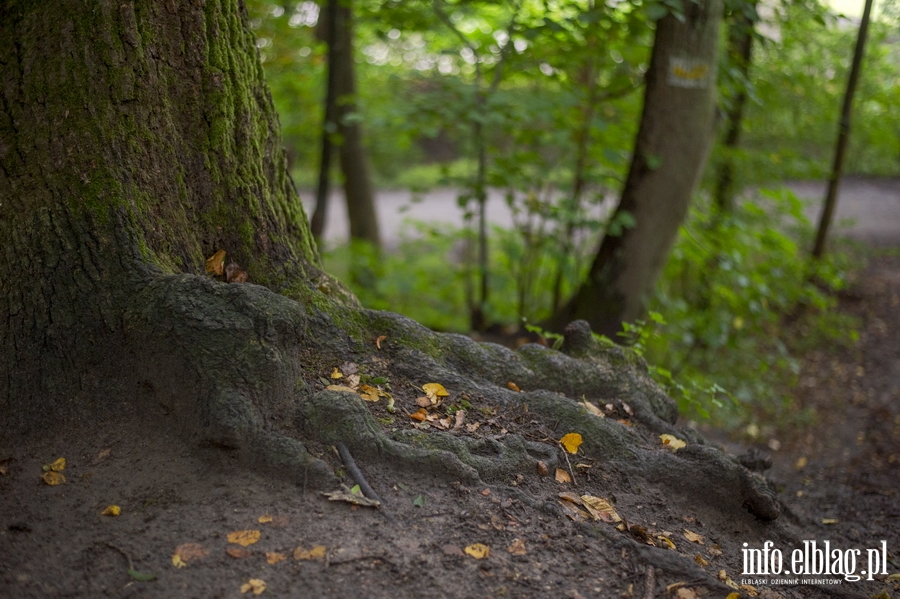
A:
[249,359]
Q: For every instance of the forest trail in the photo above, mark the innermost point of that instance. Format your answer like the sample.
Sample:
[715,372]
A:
[868,210]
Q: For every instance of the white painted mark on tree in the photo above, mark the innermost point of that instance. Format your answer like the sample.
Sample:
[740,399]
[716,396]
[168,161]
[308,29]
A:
[688,72]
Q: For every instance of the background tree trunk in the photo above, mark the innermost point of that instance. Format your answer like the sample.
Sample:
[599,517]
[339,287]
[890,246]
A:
[329,126]
[353,158]
[135,139]
[670,152]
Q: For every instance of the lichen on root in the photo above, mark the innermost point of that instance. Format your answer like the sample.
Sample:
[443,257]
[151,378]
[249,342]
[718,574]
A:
[249,362]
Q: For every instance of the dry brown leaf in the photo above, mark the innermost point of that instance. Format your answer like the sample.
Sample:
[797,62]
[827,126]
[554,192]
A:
[685,593]
[562,476]
[187,552]
[53,478]
[460,417]
[237,552]
[317,552]
[103,455]
[244,537]
[4,467]
[592,409]
[571,441]
[473,426]
[693,537]
[513,386]
[274,557]
[234,274]
[379,339]
[112,510]
[600,509]
[419,415]
[256,585]
[517,547]
[452,550]
[478,550]
[215,264]
[542,469]
[700,560]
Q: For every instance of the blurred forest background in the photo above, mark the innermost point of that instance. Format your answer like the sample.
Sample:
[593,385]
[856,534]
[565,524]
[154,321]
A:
[536,105]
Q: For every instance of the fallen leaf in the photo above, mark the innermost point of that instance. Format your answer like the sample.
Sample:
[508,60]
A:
[419,501]
[103,455]
[419,415]
[460,417]
[379,339]
[893,577]
[517,547]
[592,409]
[234,274]
[600,508]
[368,393]
[751,590]
[423,402]
[672,442]
[256,585]
[317,552]
[571,442]
[714,551]
[733,596]
[801,463]
[478,550]
[667,541]
[4,467]
[830,520]
[244,537]
[275,557]
[336,374]
[685,593]
[513,386]
[700,560]
[215,264]
[112,510]
[238,552]
[53,478]
[473,426]
[434,391]
[187,552]
[348,496]
[452,550]
[343,388]
[542,469]
[264,519]
[693,537]
[58,466]
[562,476]
[141,576]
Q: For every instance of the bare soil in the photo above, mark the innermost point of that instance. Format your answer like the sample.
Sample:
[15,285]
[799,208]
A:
[837,479]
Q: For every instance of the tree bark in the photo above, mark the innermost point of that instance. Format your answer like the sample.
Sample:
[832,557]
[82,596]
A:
[670,152]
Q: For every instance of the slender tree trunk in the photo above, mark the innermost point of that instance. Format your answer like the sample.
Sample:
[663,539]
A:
[329,126]
[837,166]
[740,53]
[352,153]
[670,152]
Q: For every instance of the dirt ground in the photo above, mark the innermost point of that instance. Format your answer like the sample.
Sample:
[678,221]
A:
[838,481]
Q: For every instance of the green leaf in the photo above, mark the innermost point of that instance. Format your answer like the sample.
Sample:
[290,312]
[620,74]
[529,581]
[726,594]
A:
[419,501]
[356,490]
[141,576]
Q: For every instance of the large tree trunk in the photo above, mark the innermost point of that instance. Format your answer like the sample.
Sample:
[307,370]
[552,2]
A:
[139,139]
[670,152]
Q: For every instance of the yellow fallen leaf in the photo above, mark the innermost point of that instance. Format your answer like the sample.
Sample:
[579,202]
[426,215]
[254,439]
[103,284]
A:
[667,541]
[112,510]
[336,374]
[434,391]
[215,264]
[368,393]
[317,552]
[478,550]
[693,537]
[177,561]
[830,520]
[275,557]
[893,577]
[672,442]
[701,560]
[733,596]
[264,519]
[562,476]
[53,478]
[600,509]
[244,537]
[513,386]
[801,463]
[517,547]
[340,388]
[58,466]
[256,585]
[571,442]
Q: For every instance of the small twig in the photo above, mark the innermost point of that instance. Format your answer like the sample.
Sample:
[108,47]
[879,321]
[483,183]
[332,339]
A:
[566,455]
[123,552]
[651,583]
[355,473]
